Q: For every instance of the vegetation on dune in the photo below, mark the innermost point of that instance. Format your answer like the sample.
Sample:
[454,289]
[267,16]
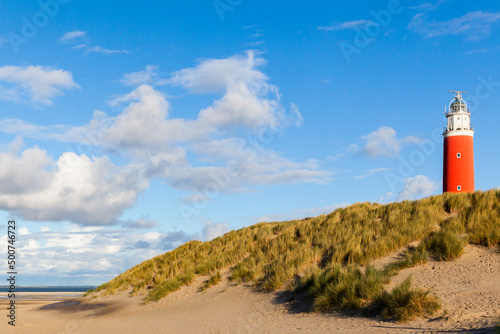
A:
[412,257]
[337,288]
[405,303]
[171,285]
[213,280]
[445,245]
[343,289]
[321,256]
[88,292]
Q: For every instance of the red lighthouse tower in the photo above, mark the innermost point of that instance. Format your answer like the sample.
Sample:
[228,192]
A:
[458,166]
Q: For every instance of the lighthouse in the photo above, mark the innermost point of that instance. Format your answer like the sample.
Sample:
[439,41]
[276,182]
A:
[458,159]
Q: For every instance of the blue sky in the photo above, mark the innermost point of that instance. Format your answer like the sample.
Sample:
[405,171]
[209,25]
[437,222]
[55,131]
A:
[127,129]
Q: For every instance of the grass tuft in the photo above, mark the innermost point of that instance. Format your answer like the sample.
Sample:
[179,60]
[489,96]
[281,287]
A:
[446,245]
[342,289]
[170,285]
[411,258]
[405,303]
[213,280]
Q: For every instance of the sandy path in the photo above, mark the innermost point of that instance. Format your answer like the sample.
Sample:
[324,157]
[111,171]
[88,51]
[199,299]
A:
[469,287]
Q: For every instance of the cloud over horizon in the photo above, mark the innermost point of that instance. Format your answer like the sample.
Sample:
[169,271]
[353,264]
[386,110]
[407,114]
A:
[71,252]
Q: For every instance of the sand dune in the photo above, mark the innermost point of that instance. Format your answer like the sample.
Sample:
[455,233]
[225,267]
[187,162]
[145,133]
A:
[469,288]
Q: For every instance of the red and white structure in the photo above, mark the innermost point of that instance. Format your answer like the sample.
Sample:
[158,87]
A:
[458,164]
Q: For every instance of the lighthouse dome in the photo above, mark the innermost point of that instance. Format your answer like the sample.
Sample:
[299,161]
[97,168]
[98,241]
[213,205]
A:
[458,106]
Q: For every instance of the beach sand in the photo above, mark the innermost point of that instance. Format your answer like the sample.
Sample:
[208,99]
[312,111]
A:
[469,288]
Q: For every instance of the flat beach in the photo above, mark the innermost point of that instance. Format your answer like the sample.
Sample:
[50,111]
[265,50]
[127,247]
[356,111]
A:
[469,288]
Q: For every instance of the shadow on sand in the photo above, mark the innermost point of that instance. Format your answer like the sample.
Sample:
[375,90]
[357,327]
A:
[81,306]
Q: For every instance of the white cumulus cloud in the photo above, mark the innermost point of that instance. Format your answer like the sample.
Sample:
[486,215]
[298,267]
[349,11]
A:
[75,188]
[384,142]
[242,106]
[213,230]
[248,98]
[417,186]
[215,75]
[37,84]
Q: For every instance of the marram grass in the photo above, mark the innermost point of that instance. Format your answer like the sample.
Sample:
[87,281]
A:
[445,245]
[273,255]
[212,281]
[405,303]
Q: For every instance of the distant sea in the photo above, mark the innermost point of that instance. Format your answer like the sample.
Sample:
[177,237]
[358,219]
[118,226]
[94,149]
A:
[80,288]
[52,290]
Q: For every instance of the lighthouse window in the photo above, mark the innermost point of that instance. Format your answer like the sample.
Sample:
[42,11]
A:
[459,188]
[459,155]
